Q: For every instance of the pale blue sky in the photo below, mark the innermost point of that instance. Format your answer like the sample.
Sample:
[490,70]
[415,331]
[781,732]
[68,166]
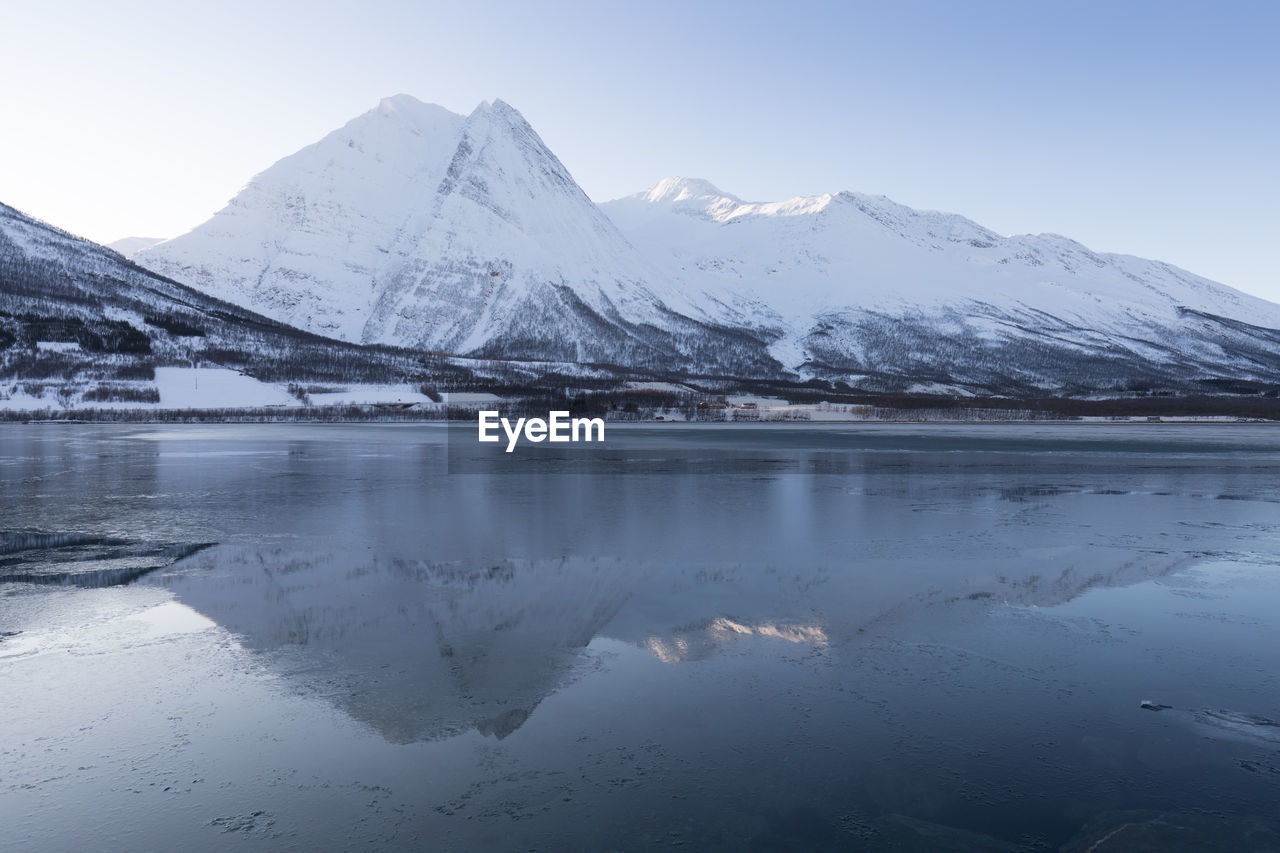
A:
[1139,127]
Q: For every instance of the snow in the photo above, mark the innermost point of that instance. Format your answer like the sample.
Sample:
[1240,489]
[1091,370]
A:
[21,401]
[684,189]
[58,346]
[217,388]
[211,387]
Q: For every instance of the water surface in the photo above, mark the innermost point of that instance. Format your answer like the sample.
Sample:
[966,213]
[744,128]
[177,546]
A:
[812,637]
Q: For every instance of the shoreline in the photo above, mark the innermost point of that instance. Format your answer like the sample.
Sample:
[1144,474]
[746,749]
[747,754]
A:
[259,417]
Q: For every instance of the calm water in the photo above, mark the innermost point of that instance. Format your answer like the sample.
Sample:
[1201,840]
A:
[820,638]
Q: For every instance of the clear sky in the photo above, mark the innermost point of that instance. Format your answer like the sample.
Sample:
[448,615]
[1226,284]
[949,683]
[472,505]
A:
[1151,128]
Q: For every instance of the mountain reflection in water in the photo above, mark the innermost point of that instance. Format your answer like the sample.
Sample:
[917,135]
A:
[422,650]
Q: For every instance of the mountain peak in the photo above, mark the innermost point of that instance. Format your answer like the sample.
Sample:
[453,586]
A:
[498,112]
[417,115]
[400,101]
[682,189]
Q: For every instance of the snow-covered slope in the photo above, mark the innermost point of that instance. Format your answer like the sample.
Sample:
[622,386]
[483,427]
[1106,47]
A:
[417,227]
[306,241]
[862,288]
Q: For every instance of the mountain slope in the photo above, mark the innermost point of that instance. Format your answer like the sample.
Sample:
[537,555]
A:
[305,241]
[872,292]
[81,325]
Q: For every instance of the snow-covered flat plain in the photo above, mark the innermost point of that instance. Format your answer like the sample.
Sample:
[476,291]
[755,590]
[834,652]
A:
[221,388]
[217,388]
[208,387]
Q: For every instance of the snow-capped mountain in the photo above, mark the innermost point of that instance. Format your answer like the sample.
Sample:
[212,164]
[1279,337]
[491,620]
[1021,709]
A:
[866,290]
[418,227]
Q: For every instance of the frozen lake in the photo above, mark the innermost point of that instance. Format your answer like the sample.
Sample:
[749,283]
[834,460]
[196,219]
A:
[812,637]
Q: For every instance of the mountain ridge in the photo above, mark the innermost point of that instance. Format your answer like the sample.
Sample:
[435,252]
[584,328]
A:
[414,226]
